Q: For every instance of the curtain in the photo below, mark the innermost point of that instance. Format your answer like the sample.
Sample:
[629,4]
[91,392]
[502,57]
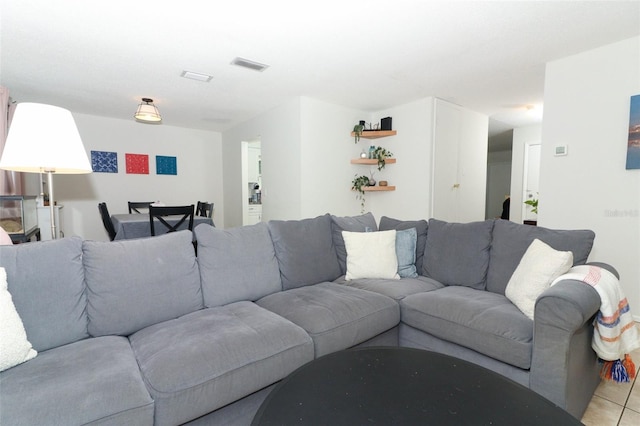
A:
[11,183]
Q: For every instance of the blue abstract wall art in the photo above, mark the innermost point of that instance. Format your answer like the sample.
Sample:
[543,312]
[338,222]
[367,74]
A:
[104,161]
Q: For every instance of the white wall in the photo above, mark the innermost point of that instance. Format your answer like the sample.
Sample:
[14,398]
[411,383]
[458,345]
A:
[586,106]
[412,147]
[306,153]
[279,133]
[199,175]
[522,138]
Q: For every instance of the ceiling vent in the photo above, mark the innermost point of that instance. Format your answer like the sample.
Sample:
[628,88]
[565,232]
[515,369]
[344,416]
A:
[196,76]
[255,66]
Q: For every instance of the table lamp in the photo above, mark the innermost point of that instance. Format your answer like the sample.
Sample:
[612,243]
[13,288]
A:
[44,139]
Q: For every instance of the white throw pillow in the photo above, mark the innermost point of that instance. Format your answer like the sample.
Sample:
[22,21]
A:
[371,254]
[14,346]
[540,265]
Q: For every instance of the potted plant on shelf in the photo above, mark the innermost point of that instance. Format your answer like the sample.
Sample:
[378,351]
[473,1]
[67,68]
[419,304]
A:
[358,184]
[357,131]
[381,155]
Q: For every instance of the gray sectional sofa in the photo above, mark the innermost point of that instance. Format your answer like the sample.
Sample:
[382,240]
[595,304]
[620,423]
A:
[143,332]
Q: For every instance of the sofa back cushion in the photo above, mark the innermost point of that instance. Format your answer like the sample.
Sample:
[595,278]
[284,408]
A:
[136,283]
[305,251]
[236,264]
[387,223]
[46,283]
[458,253]
[362,223]
[511,240]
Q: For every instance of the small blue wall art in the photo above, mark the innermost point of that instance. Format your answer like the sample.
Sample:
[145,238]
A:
[166,165]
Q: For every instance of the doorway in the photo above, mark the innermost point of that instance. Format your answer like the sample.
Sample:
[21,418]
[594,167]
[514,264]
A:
[251,182]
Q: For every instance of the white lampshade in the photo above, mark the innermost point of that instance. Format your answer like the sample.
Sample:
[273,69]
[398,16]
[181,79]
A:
[44,138]
[147,111]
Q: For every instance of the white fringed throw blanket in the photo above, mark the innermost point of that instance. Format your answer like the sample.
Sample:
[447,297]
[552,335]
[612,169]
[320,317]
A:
[615,333]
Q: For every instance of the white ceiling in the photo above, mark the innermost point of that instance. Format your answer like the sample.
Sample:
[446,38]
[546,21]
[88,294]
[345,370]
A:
[101,58]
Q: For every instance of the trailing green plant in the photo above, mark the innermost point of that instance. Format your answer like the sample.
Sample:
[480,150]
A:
[357,132]
[534,205]
[358,184]
[381,155]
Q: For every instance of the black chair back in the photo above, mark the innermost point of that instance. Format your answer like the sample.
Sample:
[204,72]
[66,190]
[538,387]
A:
[204,209]
[106,221]
[135,206]
[183,214]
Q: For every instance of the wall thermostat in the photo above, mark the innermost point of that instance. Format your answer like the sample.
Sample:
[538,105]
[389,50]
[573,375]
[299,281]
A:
[561,150]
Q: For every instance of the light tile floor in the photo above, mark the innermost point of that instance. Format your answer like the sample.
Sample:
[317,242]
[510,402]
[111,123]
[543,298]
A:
[615,404]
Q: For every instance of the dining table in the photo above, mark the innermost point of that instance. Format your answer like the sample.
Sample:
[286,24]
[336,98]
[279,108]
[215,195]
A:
[137,225]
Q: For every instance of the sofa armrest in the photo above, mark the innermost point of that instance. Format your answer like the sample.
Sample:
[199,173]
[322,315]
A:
[564,367]
[606,266]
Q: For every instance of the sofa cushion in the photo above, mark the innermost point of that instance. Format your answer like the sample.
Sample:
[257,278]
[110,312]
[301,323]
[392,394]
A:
[395,289]
[14,346]
[207,359]
[421,226]
[511,240]
[46,282]
[305,251]
[539,266]
[363,223]
[236,264]
[480,320]
[335,316]
[93,381]
[458,253]
[371,255]
[135,283]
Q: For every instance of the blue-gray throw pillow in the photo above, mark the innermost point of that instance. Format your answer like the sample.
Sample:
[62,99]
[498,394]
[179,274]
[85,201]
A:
[305,251]
[458,253]
[387,223]
[406,252]
[362,223]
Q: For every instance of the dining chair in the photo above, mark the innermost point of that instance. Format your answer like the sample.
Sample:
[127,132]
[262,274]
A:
[106,221]
[135,206]
[182,213]
[204,209]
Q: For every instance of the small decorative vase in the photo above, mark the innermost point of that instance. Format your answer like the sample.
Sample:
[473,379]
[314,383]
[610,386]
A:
[364,154]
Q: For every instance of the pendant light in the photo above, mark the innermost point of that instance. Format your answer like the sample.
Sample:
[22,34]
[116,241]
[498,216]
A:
[147,112]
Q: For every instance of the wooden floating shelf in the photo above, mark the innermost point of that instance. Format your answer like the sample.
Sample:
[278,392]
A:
[379,188]
[372,162]
[375,134]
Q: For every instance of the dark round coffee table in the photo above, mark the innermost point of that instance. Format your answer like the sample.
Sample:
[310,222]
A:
[403,386]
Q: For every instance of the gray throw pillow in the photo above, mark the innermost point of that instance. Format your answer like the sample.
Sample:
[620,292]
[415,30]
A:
[133,284]
[458,253]
[387,223]
[46,282]
[511,240]
[406,252]
[362,223]
[305,251]
[236,264]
